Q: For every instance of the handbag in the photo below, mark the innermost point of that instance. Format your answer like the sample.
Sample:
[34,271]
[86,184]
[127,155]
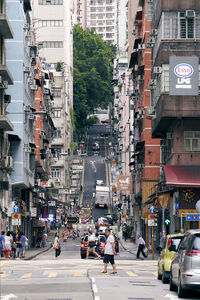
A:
[92,244]
[56,247]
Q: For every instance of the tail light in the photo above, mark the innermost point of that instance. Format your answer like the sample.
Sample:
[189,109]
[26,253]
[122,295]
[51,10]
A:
[192,252]
[102,245]
[169,242]
[82,245]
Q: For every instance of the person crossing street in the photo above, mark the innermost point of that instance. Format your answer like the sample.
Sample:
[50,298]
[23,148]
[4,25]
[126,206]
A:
[141,247]
[109,252]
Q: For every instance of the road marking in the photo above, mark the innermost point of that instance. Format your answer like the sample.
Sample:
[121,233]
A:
[8,297]
[105,274]
[172,297]
[4,275]
[155,274]
[131,274]
[52,274]
[96,298]
[78,274]
[26,275]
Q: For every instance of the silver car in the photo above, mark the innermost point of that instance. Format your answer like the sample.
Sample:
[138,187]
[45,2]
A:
[185,267]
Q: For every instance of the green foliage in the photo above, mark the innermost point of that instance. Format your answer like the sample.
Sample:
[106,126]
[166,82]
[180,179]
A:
[59,66]
[92,76]
[73,146]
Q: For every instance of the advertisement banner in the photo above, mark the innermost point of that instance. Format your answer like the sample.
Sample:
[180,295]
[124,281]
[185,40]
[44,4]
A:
[124,183]
[183,75]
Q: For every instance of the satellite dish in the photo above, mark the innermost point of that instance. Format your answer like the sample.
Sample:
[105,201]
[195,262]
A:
[198,206]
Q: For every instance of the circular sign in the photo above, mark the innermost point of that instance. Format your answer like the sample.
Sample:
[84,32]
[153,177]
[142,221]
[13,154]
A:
[183,70]
[198,206]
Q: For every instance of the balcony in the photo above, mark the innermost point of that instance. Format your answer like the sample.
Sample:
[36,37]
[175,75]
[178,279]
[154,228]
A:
[5,123]
[169,108]
[5,74]
[5,29]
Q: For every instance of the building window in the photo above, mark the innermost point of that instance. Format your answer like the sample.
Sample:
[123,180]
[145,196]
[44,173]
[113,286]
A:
[52,44]
[51,23]
[191,141]
[50,2]
[57,93]
[57,113]
[57,133]
[55,173]
[56,152]
[109,1]
[186,26]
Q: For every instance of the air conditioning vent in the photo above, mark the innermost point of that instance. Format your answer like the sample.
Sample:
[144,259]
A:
[141,77]
[27,70]
[27,108]
[31,117]
[157,70]
[141,46]
[153,32]
[190,14]
[28,149]
[34,87]
[151,114]
[152,84]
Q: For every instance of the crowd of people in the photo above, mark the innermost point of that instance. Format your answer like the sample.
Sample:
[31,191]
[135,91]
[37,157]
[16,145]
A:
[13,245]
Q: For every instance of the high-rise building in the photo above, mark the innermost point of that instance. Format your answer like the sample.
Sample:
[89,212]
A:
[5,124]
[101,17]
[53,24]
[80,12]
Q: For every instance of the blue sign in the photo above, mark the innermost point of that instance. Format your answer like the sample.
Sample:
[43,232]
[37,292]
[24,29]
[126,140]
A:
[152,209]
[194,217]
[15,208]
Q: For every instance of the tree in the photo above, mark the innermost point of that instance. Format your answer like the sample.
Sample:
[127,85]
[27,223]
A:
[92,76]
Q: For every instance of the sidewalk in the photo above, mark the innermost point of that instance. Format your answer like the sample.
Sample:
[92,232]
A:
[132,248]
[34,252]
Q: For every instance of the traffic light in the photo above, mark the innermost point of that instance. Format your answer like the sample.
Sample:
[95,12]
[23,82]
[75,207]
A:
[167,217]
[156,216]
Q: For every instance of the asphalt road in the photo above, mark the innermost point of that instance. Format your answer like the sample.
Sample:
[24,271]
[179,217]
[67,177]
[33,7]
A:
[70,278]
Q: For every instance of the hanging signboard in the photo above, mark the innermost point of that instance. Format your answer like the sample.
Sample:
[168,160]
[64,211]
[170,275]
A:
[124,183]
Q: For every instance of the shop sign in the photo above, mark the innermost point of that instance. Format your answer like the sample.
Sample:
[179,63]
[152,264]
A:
[124,183]
[52,203]
[45,184]
[183,75]
[33,211]
[195,217]
[38,223]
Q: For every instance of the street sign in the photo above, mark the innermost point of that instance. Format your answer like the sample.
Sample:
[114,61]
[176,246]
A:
[16,222]
[15,208]
[33,211]
[71,220]
[16,216]
[195,217]
[152,209]
[151,223]
[167,221]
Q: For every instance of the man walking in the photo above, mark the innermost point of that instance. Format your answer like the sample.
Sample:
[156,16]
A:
[141,247]
[2,243]
[109,252]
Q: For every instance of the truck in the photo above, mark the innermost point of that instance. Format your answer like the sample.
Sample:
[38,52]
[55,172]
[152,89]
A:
[102,196]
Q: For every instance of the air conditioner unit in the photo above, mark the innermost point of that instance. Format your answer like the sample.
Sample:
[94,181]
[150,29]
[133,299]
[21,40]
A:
[42,134]
[151,40]
[170,135]
[28,149]
[153,32]
[27,108]
[190,14]
[26,26]
[157,70]
[134,32]
[3,84]
[31,117]
[150,45]
[57,180]
[141,46]
[34,87]
[26,69]
[140,77]
[9,162]
[152,83]
[151,114]
[7,98]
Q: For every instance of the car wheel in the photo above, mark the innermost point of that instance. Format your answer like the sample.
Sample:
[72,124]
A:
[172,286]
[164,278]
[181,290]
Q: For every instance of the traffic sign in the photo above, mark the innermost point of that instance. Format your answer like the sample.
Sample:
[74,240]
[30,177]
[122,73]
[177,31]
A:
[195,217]
[16,216]
[152,222]
[152,209]
[167,221]
[16,222]
[15,208]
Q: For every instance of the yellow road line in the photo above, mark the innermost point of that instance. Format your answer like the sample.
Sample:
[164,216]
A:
[155,274]
[4,275]
[131,274]
[78,274]
[52,274]
[26,275]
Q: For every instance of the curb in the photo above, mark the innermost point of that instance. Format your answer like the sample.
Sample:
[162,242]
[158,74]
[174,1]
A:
[35,255]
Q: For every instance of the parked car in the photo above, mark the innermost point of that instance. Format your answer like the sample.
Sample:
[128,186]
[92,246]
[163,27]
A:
[185,267]
[170,245]
[102,222]
[84,245]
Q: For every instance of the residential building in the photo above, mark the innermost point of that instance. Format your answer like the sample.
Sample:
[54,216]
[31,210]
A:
[21,59]
[147,150]
[80,8]
[101,17]
[5,124]
[53,24]
[175,109]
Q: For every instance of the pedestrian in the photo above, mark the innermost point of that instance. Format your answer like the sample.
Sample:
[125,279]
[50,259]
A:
[24,241]
[8,243]
[56,245]
[161,242]
[13,245]
[91,245]
[19,245]
[182,231]
[2,243]
[124,229]
[141,247]
[109,252]
[97,241]
[44,239]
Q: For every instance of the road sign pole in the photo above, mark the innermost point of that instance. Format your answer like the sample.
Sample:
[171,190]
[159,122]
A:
[163,219]
[152,234]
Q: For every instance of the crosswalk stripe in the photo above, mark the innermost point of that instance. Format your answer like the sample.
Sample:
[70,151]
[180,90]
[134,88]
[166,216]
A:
[131,274]
[4,275]
[26,275]
[105,274]
[78,274]
[155,273]
[52,274]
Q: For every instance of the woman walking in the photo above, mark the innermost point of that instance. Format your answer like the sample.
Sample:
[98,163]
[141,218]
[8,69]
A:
[92,245]
[56,245]
[8,243]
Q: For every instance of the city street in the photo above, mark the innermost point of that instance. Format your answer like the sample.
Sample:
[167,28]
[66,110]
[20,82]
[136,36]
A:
[69,277]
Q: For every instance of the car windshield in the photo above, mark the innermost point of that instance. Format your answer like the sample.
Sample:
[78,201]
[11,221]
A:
[196,244]
[174,241]
[102,239]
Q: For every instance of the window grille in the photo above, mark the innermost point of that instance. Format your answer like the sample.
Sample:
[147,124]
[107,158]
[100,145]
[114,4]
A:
[191,141]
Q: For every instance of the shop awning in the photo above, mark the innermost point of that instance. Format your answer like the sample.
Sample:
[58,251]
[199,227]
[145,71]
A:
[182,176]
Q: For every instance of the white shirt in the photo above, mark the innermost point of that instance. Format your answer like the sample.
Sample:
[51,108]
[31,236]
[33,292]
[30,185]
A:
[108,247]
[141,241]
[91,238]
[7,240]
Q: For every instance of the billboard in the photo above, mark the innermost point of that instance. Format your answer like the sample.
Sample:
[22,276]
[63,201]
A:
[183,75]
[124,183]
